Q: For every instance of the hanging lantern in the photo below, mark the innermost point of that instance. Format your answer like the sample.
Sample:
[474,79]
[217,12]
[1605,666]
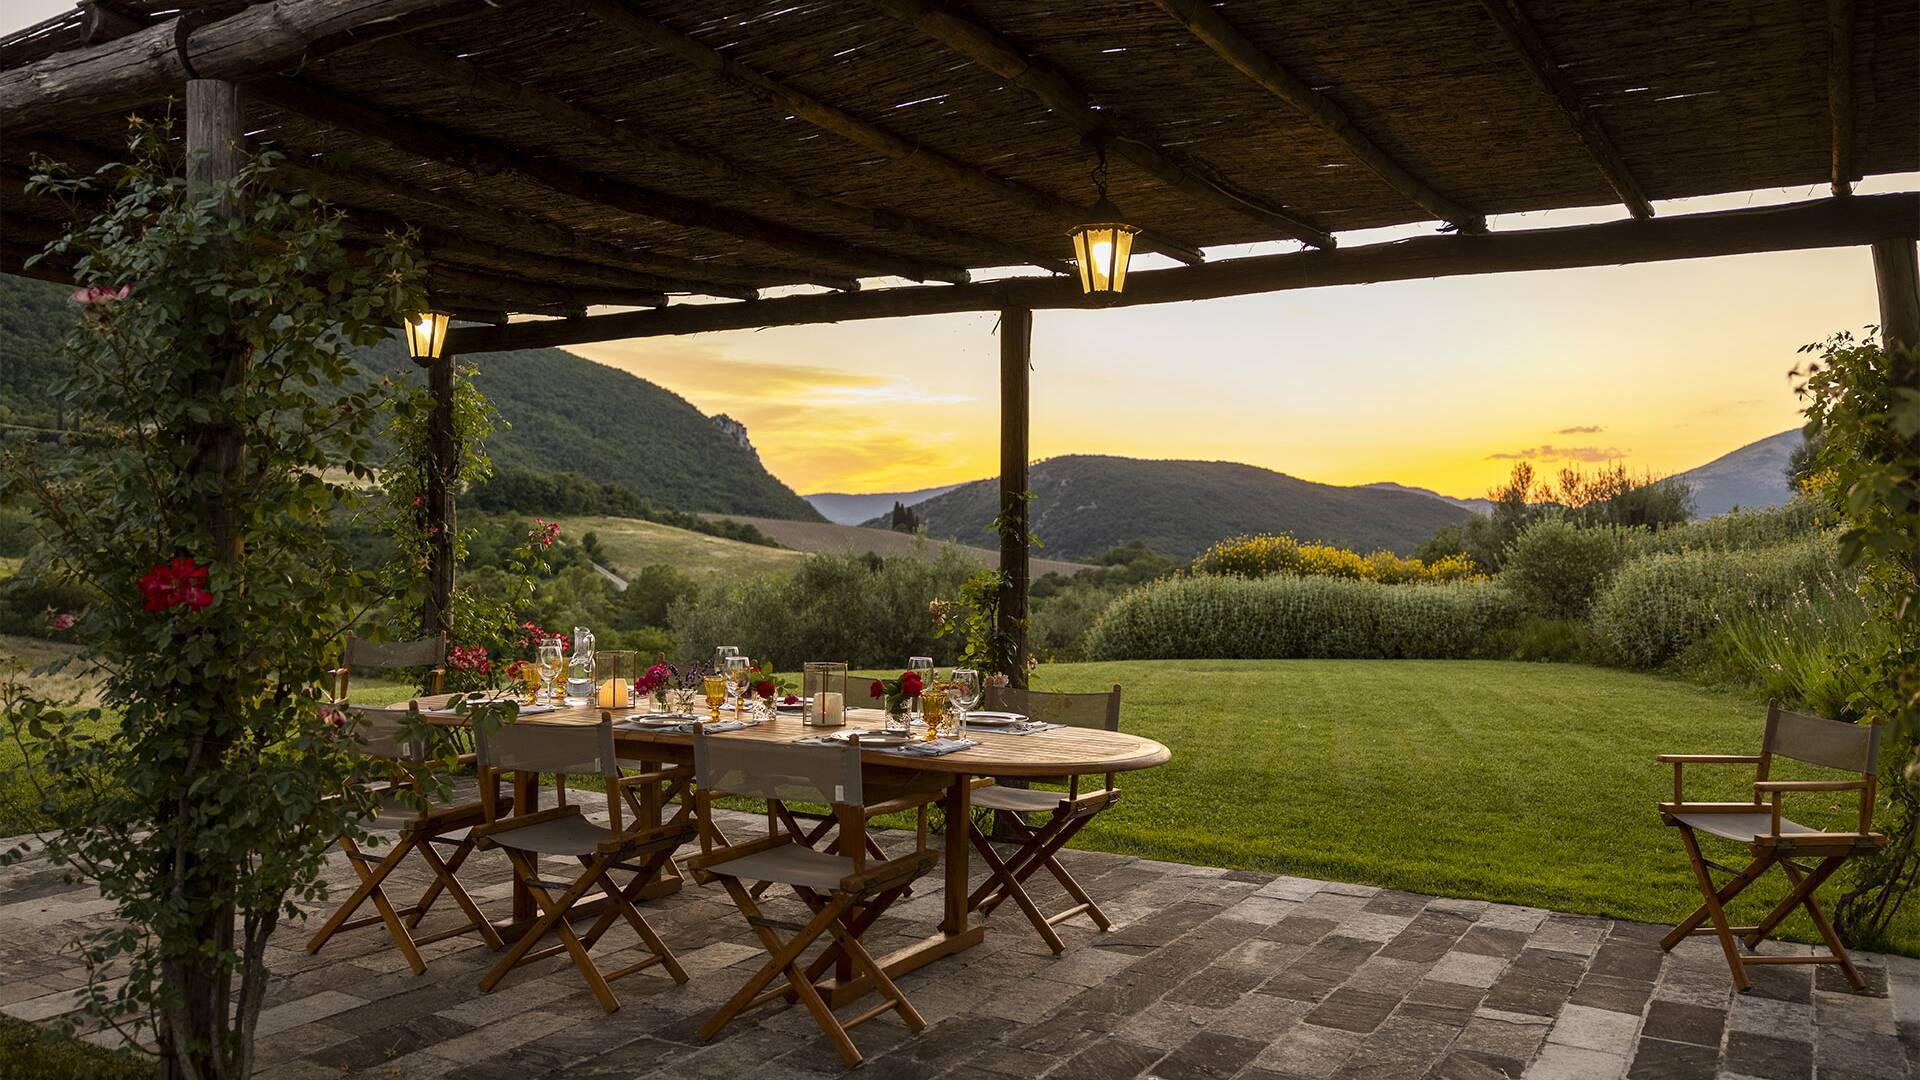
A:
[1103,246]
[426,336]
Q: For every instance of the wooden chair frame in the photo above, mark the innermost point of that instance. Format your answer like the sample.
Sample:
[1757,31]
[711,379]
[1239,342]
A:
[1770,849]
[1040,847]
[641,850]
[419,834]
[359,654]
[844,912]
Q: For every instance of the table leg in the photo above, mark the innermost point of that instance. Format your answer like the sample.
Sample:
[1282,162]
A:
[959,808]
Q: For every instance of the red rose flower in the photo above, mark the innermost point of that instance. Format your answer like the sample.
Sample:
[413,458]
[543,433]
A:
[878,689]
[764,689]
[181,581]
[910,684]
[790,699]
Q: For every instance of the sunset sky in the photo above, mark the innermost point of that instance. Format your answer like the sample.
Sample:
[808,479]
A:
[1441,384]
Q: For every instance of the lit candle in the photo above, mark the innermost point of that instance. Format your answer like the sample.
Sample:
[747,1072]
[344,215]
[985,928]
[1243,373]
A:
[829,709]
[614,694]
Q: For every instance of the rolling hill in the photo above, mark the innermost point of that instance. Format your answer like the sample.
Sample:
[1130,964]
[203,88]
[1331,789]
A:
[1753,477]
[563,414]
[824,537]
[1085,504]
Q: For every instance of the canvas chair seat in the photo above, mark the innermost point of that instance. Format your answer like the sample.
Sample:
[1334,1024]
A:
[395,814]
[572,835]
[1016,800]
[790,864]
[1745,828]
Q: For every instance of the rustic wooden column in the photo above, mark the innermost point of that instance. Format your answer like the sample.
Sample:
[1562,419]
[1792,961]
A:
[1898,281]
[1016,350]
[436,611]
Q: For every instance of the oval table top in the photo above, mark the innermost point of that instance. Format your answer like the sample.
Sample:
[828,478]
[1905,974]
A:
[1059,752]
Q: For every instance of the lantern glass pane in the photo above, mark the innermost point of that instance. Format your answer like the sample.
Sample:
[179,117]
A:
[1080,259]
[426,332]
[1122,255]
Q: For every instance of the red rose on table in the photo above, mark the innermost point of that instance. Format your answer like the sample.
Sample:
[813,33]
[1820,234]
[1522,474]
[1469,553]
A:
[878,689]
[910,684]
[790,699]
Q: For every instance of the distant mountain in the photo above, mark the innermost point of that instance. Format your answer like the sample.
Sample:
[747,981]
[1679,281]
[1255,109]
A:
[844,509]
[566,414]
[1478,506]
[1753,477]
[1086,504]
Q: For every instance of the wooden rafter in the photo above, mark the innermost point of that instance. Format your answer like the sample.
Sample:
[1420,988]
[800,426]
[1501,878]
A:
[1539,61]
[621,15]
[638,134]
[985,46]
[481,156]
[1255,63]
[1822,223]
[151,62]
[1840,91]
[517,293]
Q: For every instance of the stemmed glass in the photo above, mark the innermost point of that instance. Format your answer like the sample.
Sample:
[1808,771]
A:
[923,665]
[548,656]
[964,691]
[739,674]
[715,687]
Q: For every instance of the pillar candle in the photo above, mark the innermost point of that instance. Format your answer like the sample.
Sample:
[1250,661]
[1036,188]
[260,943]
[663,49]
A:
[614,694]
[829,709]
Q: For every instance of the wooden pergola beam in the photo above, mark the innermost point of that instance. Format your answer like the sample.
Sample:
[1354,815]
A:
[150,63]
[481,156]
[621,16]
[984,46]
[1822,223]
[1539,62]
[637,134]
[1840,91]
[1205,23]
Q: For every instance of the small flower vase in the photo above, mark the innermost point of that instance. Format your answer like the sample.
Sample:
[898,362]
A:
[898,716]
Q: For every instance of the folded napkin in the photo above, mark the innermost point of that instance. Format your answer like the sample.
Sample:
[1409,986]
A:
[936,748]
[525,710]
[685,728]
[1032,728]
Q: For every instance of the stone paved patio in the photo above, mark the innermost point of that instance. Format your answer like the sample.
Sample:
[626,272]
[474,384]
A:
[1207,973]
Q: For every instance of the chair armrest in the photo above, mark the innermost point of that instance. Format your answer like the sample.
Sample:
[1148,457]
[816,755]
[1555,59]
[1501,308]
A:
[656,776]
[1710,759]
[509,824]
[706,860]
[1809,785]
[892,872]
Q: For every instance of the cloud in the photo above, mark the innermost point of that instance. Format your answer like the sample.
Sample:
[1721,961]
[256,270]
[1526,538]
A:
[1562,453]
[1583,429]
[717,380]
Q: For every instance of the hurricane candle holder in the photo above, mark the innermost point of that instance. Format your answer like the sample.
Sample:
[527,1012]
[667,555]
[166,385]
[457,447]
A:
[823,687]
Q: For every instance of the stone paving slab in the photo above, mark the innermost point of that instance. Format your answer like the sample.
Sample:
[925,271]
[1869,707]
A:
[1206,973]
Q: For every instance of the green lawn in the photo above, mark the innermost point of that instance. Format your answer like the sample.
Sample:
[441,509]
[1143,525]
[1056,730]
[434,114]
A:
[1522,783]
[632,544]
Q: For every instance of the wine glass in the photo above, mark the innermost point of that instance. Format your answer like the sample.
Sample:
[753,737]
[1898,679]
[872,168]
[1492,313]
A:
[720,654]
[739,674]
[923,666]
[964,691]
[716,691]
[549,660]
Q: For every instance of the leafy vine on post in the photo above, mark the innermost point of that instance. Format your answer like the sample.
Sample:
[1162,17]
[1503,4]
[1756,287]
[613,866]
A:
[212,379]
[989,644]
[1863,413]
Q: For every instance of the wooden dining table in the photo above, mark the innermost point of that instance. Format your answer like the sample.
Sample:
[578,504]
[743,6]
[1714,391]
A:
[1063,751]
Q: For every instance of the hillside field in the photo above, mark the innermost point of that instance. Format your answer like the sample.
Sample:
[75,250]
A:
[817,536]
[631,544]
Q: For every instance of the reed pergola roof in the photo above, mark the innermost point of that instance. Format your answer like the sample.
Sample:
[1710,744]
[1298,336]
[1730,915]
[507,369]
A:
[561,156]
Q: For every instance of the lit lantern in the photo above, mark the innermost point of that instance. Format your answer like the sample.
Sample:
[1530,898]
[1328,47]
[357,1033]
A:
[1103,249]
[426,336]
[1104,245]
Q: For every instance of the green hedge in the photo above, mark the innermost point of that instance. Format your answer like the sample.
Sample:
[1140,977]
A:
[1658,606]
[1306,617]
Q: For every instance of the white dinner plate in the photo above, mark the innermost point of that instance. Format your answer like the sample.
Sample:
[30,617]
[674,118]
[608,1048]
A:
[995,719]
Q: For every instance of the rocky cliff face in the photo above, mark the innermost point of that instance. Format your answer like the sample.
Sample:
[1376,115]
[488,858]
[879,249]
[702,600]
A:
[735,430]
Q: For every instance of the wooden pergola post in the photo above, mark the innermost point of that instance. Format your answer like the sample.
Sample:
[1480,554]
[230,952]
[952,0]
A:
[1016,350]
[1897,278]
[443,466]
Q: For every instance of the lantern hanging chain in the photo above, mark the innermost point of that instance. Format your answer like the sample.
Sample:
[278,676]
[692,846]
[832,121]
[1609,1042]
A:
[1099,174]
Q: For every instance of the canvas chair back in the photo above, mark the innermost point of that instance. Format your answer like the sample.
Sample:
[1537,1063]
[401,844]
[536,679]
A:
[379,732]
[786,772]
[1832,744]
[390,655]
[566,749]
[1100,711]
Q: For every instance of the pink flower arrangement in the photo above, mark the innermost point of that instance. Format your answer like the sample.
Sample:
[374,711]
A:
[94,295]
[333,718]
[63,621]
[544,532]
[169,584]
[654,680]
[470,658]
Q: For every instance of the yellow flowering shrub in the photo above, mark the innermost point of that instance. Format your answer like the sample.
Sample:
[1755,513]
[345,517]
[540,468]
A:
[1264,555]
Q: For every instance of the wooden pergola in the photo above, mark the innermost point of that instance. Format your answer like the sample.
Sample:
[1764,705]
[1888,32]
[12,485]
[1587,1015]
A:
[692,163]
